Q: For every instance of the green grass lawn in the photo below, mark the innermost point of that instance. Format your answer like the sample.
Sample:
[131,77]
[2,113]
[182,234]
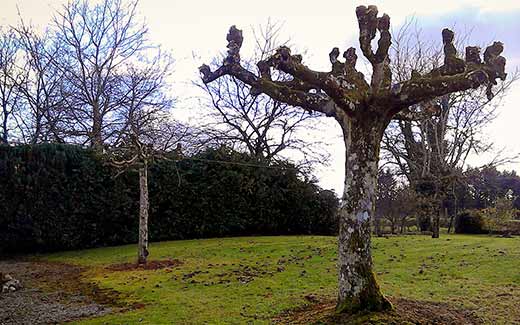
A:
[252,279]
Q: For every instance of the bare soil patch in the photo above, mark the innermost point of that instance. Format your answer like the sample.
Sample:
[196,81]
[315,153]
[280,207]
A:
[52,293]
[406,311]
[151,265]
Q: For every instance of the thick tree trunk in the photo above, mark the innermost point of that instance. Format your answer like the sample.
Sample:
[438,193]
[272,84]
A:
[358,288]
[142,248]
[97,138]
[5,130]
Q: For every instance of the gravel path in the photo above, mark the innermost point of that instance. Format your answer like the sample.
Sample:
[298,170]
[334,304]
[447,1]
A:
[52,293]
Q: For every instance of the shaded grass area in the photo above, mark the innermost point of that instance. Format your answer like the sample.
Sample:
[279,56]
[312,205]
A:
[254,279]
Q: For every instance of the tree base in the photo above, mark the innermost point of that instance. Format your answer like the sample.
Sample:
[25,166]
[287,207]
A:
[369,300]
[352,306]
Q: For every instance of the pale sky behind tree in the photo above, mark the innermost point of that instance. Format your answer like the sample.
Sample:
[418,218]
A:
[195,32]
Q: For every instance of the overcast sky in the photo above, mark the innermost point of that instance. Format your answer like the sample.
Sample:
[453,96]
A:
[195,32]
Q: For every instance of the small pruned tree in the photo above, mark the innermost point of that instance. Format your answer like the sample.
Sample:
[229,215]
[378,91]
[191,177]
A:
[144,130]
[363,110]
[140,145]
[132,153]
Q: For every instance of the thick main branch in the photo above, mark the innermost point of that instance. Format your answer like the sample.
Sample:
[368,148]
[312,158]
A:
[369,24]
[454,75]
[312,90]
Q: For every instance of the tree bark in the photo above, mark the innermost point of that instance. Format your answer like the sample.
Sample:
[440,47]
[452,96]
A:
[96,136]
[5,130]
[358,288]
[142,247]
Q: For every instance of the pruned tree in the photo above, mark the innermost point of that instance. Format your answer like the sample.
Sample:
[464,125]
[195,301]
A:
[363,110]
[132,153]
[254,122]
[148,138]
[431,152]
[141,138]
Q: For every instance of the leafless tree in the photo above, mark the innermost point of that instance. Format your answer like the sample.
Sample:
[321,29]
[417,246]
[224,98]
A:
[363,110]
[138,146]
[144,96]
[10,75]
[148,137]
[262,126]
[98,41]
[140,136]
[386,195]
[40,88]
[432,152]
[395,202]
[132,153]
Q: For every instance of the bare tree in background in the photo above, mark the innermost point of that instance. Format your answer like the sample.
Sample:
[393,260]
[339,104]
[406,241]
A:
[98,42]
[395,202]
[10,75]
[386,194]
[363,110]
[431,152]
[40,89]
[254,122]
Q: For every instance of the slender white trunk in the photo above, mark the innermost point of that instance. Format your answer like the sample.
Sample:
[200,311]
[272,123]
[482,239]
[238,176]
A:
[143,215]
[358,288]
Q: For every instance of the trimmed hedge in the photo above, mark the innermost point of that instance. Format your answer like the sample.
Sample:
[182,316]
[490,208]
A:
[58,197]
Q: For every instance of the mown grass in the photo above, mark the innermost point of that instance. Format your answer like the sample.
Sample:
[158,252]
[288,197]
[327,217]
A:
[252,279]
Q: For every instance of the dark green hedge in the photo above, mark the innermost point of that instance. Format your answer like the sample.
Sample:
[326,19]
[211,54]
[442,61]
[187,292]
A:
[470,222]
[57,197]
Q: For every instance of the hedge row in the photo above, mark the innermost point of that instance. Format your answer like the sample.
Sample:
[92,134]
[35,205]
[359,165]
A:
[57,197]
[485,221]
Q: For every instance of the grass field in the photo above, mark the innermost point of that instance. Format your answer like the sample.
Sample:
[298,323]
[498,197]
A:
[253,279]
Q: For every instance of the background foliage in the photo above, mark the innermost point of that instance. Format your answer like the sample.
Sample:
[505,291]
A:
[56,197]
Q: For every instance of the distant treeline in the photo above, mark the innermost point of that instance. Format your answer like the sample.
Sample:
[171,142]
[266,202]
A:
[59,197]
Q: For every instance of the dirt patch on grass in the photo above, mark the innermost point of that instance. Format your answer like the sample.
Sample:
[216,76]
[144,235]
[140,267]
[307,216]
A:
[52,293]
[405,311]
[151,265]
